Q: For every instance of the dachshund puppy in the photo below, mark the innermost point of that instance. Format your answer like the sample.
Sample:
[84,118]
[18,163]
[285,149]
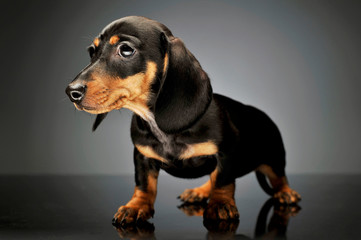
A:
[179,125]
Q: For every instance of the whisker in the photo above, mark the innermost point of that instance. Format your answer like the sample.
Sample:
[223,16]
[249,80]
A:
[62,100]
[87,38]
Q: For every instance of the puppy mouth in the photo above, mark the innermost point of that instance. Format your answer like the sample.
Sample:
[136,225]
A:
[89,109]
[98,109]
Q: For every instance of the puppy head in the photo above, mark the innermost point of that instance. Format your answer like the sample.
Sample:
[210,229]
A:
[136,63]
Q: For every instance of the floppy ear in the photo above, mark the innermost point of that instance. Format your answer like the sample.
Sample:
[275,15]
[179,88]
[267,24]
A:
[98,120]
[185,93]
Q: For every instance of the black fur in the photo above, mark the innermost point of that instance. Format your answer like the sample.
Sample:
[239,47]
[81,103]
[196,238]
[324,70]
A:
[186,111]
[186,91]
[246,138]
[98,120]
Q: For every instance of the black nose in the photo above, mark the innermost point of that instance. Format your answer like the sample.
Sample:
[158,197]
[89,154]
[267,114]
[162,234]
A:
[76,92]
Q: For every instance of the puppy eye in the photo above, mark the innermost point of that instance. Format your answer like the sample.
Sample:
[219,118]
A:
[126,51]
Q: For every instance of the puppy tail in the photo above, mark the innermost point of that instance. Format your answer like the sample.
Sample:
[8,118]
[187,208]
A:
[264,184]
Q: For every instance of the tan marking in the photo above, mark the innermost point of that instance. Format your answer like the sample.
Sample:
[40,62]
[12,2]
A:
[212,177]
[201,192]
[141,205]
[107,93]
[224,193]
[149,153]
[114,39]
[276,181]
[96,42]
[220,197]
[221,203]
[165,64]
[199,149]
[267,170]
[209,185]
[140,197]
[204,190]
[287,195]
[280,185]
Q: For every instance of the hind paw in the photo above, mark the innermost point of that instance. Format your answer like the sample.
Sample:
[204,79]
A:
[287,196]
[194,195]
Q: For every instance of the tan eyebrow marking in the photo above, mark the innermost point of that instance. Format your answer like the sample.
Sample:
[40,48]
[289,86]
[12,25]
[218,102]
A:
[114,39]
[96,42]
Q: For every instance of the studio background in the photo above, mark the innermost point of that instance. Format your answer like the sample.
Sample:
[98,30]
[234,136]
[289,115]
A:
[299,61]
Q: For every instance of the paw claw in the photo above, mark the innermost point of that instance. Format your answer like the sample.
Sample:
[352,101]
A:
[114,221]
[128,215]
[123,222]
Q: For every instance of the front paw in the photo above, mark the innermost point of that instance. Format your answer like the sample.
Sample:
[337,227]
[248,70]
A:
[287,196]
[132,214]
[221,210]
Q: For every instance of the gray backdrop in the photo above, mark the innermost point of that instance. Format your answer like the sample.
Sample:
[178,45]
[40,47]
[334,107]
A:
[299,61]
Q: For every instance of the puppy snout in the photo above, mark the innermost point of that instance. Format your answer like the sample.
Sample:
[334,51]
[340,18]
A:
[76,92]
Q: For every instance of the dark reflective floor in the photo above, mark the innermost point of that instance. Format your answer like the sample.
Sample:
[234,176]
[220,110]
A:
[79,207]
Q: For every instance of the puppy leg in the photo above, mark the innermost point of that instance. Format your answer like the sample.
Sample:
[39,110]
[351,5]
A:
[283,193]
[221,204]
[141,205]
[198,194]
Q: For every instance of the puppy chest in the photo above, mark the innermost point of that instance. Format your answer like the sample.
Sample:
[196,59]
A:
[181,151]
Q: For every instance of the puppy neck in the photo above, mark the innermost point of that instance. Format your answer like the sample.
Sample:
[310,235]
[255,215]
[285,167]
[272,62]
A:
[147,115]
[157,132]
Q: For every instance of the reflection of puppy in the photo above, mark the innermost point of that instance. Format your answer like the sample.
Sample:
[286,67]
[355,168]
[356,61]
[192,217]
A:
[145,230]
[274,227]
[277,224]
[179,125]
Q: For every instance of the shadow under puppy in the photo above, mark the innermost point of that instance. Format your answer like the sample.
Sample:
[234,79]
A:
[179,125]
